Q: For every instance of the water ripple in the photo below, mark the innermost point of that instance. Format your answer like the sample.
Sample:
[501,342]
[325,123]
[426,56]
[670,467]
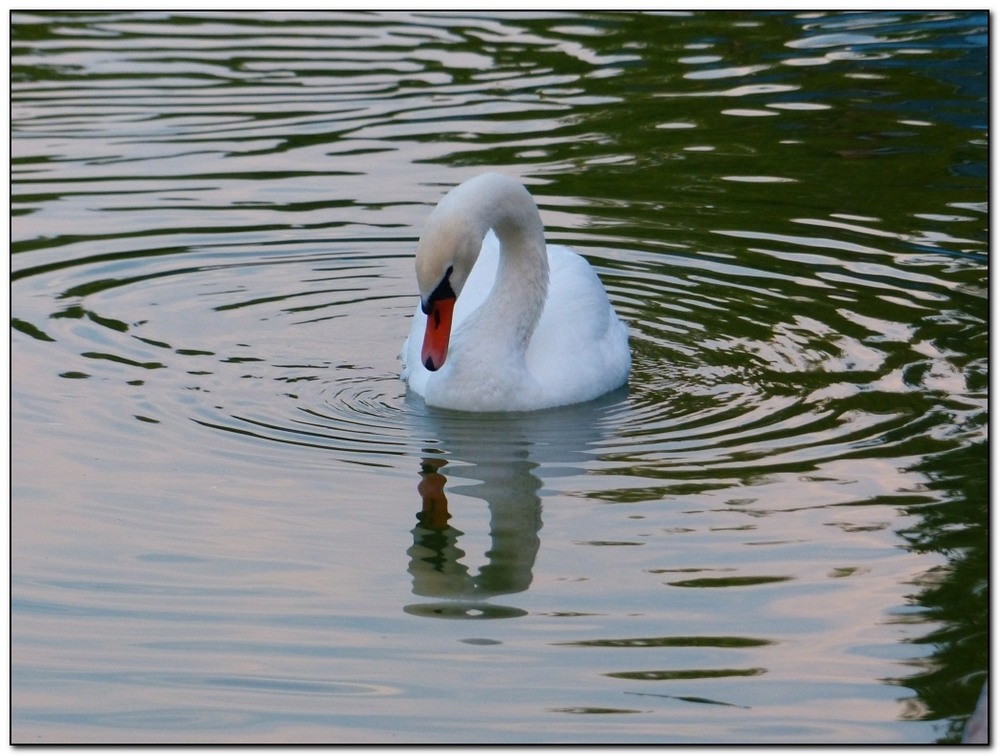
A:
[213,221]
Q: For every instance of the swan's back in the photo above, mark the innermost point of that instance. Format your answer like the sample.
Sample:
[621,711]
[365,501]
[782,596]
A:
[579,350]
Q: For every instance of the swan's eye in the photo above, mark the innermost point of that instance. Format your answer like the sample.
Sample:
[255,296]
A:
[443,291]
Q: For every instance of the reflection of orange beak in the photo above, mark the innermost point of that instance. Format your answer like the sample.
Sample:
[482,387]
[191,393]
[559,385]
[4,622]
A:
[438,332]
[434,514]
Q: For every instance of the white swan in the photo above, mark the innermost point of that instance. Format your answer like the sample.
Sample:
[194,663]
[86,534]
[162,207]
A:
[506,323]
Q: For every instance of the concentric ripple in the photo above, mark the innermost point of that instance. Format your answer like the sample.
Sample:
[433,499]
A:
[736,368]
[795,356]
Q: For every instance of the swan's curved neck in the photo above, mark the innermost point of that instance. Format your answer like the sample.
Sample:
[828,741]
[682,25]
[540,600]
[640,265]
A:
[515,304]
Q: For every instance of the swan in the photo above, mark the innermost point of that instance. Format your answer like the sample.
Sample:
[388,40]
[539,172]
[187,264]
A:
[505,322]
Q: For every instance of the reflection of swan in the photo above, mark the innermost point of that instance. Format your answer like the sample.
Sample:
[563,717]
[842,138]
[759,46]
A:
[506,323]
[507,469]
[515,519]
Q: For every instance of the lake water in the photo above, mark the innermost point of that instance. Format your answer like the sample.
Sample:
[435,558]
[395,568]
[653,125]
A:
[230,523]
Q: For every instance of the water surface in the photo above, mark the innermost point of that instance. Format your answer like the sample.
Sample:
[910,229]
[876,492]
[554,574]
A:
[231,523]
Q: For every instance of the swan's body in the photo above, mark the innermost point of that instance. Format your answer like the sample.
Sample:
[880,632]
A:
[506,323]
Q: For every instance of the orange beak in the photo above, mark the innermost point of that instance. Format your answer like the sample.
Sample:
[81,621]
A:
[438,332]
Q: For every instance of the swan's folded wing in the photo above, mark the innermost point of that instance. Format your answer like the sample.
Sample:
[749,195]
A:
[580,347]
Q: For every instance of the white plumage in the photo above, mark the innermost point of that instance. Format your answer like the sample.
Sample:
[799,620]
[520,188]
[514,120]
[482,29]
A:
[532,325]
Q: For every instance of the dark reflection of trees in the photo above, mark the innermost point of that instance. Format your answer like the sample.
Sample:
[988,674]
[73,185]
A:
[957,599]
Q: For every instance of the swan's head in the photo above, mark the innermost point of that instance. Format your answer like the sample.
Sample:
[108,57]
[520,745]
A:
[451,242]
[446,254]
